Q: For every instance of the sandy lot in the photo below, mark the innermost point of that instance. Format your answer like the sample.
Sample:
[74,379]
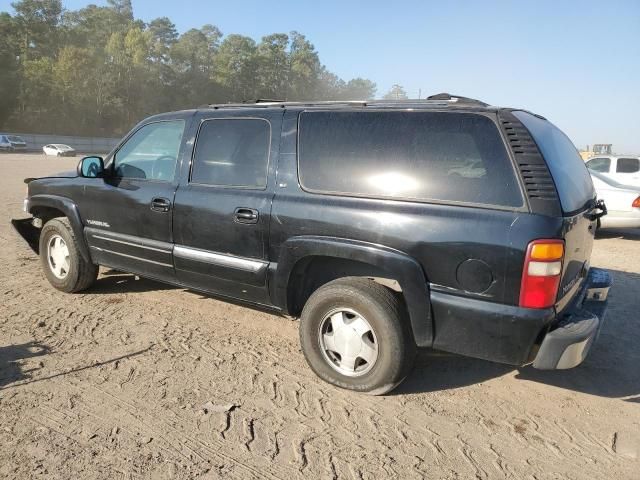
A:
[135,379]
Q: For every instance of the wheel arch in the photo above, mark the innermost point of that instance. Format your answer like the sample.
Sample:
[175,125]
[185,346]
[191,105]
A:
[308,262]
[47,207]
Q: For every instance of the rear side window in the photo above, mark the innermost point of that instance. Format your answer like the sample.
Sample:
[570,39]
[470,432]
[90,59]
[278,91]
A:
[628,165]
[569,172]
[599,164]
[451,157]
[232,152]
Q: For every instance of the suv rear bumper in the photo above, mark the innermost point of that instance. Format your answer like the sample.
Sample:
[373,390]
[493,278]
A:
[569,342]
[518,336]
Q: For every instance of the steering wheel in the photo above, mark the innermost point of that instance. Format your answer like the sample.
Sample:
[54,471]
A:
[159,170]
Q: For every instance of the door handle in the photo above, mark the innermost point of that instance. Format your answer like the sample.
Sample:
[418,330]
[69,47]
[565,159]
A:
[161,205]
[246,215]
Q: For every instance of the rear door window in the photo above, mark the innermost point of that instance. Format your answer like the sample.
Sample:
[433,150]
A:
[599,164]
[567,168]
[232,152]
[437,156]
[628,165]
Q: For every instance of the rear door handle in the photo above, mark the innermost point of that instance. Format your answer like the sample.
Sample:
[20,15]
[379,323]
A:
[246,215]
[161,205]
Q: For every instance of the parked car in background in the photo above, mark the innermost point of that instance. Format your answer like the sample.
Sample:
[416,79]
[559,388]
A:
[12,143]
[59,150]
[622,201]
[471,169]
[622,169]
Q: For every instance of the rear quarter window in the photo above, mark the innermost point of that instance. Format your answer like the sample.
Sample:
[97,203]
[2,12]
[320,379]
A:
[569,172]
[424,156]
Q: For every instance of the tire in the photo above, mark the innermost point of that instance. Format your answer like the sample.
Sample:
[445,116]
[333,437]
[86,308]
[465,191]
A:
[76,273]
[351,300]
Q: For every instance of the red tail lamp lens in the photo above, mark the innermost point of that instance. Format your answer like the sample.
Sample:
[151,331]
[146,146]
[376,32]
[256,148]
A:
[541,273]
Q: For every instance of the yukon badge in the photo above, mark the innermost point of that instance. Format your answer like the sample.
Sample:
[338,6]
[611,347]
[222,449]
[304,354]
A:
[98,223]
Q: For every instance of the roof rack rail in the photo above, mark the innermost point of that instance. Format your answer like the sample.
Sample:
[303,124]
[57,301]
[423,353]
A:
[440,98]
[264,103]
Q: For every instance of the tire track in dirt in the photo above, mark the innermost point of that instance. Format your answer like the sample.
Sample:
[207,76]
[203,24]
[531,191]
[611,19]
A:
[298,449]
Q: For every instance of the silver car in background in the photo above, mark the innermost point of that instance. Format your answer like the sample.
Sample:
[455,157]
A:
[622,201]
[12,143]
[624,169]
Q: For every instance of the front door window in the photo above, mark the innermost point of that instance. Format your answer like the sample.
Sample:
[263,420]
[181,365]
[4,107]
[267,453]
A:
[151,152]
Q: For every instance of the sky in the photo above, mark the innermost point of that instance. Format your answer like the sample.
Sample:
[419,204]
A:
[575,62]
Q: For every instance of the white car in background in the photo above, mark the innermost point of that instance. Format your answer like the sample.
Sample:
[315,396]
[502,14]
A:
[622,201]
[624,169]
[59,150]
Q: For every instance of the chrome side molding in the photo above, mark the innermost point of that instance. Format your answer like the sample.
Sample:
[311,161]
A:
[230,261]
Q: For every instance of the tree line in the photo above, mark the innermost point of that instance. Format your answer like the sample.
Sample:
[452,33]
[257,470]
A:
[98,70]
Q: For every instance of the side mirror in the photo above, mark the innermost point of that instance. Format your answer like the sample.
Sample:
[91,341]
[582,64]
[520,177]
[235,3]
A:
[91,167]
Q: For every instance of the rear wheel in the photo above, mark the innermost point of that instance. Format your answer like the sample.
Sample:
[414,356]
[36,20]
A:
[355,335]
[61,260]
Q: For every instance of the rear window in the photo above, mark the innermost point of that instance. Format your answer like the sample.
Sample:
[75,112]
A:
[567,168]
[451,157]
[628,165]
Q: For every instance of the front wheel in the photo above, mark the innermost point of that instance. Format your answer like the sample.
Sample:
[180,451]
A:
[61,260]
[355,334]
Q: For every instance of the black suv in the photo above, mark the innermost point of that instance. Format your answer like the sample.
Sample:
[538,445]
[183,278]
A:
[384,226]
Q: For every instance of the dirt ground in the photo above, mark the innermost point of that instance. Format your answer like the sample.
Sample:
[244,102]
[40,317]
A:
[135,379]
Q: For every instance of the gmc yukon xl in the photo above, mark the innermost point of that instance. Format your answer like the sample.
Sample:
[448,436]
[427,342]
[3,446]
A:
[383,226]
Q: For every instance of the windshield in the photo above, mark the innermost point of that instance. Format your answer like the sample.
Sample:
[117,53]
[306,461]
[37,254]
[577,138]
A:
[14,138]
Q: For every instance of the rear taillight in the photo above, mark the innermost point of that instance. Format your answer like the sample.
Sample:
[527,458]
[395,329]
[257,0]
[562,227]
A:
[541,273]
[636,203]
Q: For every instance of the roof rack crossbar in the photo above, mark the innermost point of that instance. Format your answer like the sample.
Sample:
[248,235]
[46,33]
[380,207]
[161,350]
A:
[458,98]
